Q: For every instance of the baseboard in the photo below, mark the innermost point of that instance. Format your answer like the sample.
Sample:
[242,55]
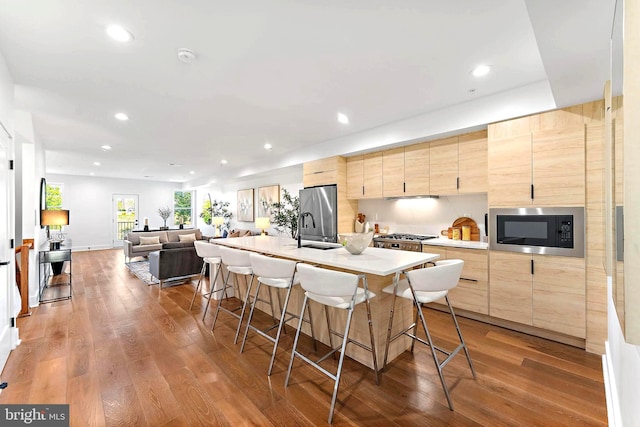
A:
[91,248]
[611,391]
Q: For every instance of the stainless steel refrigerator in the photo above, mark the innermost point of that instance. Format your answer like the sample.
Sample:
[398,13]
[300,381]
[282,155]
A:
[318,219]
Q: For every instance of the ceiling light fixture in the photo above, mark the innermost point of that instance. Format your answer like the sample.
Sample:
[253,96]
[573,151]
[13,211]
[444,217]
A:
[343,118]
[121,116]
[105,147]
[118,33]
[96,163]
[223,162]
[192,172]
[186,55]
[268,146]
[481,70]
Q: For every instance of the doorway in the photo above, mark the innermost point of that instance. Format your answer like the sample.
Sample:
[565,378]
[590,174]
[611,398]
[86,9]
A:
[125,216]
[7,282]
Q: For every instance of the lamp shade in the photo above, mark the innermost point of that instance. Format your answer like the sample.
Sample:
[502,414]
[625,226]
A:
[54,217]
[262,223]
[217,220]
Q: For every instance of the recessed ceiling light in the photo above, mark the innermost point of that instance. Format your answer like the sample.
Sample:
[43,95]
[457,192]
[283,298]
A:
[481,70]
[186,55]
[96,163]
[106,147]
[268,146]
[121,116]
[342,118]
[91,173]
[223,162]
[118,33]
[192,172]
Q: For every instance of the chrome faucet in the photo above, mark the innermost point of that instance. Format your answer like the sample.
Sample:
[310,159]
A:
[303,222]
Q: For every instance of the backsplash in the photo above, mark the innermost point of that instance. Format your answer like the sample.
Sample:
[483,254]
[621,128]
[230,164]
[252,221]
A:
[424,216]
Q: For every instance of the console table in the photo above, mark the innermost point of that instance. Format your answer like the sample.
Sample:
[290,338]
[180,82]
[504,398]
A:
[54,284]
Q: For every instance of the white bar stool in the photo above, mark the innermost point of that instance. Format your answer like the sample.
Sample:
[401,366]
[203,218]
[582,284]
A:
[237,262]
[423,286]
[210,254]
[340,290]
[275,273]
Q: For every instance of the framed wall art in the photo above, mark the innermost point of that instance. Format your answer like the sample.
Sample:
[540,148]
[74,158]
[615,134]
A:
[267,196]
[245,205]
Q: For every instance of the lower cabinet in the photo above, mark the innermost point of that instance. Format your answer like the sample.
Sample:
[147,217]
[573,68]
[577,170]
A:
[472,292]
[547,292]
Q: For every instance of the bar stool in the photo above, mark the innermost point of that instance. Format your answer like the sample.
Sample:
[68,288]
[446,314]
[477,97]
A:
[237,262]
[340,290]
[210,254]
[423,286]
[275,273]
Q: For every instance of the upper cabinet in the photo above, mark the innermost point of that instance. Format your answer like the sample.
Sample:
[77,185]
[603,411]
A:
[321,172]
[458,165]
[443,166]
[538,160]
[406,171]
[364,176]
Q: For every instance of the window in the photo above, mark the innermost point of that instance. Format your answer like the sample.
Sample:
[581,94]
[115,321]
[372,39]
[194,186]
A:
[182,201]
[54,201]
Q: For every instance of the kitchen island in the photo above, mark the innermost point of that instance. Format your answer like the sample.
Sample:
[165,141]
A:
[380,266]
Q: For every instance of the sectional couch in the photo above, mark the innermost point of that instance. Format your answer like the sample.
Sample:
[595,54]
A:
[142,243]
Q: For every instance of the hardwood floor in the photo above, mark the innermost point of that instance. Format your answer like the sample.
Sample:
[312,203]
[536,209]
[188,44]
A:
[124,353]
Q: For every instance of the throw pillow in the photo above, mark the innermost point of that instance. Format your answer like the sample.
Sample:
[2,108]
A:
[187,237]
[153,240]
[234,234]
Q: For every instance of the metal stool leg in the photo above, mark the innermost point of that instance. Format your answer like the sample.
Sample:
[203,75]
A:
[202,270]
[280,329]
[295,341]
[244,305]
[464,345]
[215,316]
[373,345]
[253,307]
[345,340]
[215,279]
[386,347]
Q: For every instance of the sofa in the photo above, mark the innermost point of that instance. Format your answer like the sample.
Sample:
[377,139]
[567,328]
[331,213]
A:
[167,264]
[142,243]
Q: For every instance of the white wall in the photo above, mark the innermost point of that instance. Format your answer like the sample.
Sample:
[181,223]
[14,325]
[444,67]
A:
[89,200]
[622,362]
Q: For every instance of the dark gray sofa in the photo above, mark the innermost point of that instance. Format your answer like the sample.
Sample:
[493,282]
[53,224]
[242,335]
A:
[174,263]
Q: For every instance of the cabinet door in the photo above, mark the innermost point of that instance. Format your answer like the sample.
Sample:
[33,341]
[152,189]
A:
[355,177]
[393,172]
[443,166]
[510,290]
[509,164]
[372,175]
[558,167]
[472,163]
[416,169]
[472,292]
[559,294]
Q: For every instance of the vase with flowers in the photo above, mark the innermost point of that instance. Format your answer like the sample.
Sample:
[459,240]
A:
[165,213]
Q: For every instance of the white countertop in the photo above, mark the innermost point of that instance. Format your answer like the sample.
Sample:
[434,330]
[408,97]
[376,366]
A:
[444,241]
[377,261]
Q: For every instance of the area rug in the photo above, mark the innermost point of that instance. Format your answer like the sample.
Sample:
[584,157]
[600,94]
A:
[141,270]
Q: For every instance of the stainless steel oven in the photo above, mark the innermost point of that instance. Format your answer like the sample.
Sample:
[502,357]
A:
[551,231]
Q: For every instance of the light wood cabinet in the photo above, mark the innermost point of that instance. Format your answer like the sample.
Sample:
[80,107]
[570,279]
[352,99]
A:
[321,172]
[364,176]
[443,166]
[472,292]
[405,171]
[472,163]
[547,292]
[458,165]
[537,160]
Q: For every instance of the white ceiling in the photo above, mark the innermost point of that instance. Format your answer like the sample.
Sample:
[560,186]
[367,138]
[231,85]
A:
[278,71]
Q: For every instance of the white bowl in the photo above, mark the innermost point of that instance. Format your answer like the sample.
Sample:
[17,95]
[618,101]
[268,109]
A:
[355,243]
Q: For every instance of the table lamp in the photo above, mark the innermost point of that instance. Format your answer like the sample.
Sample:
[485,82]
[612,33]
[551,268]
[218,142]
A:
[217,221]
[58,217]
[262,223]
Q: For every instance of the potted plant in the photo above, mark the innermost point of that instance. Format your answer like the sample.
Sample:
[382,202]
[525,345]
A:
[285,214]
[165,213]
[216,208]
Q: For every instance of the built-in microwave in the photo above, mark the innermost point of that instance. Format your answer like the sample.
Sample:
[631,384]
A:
[551,231]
